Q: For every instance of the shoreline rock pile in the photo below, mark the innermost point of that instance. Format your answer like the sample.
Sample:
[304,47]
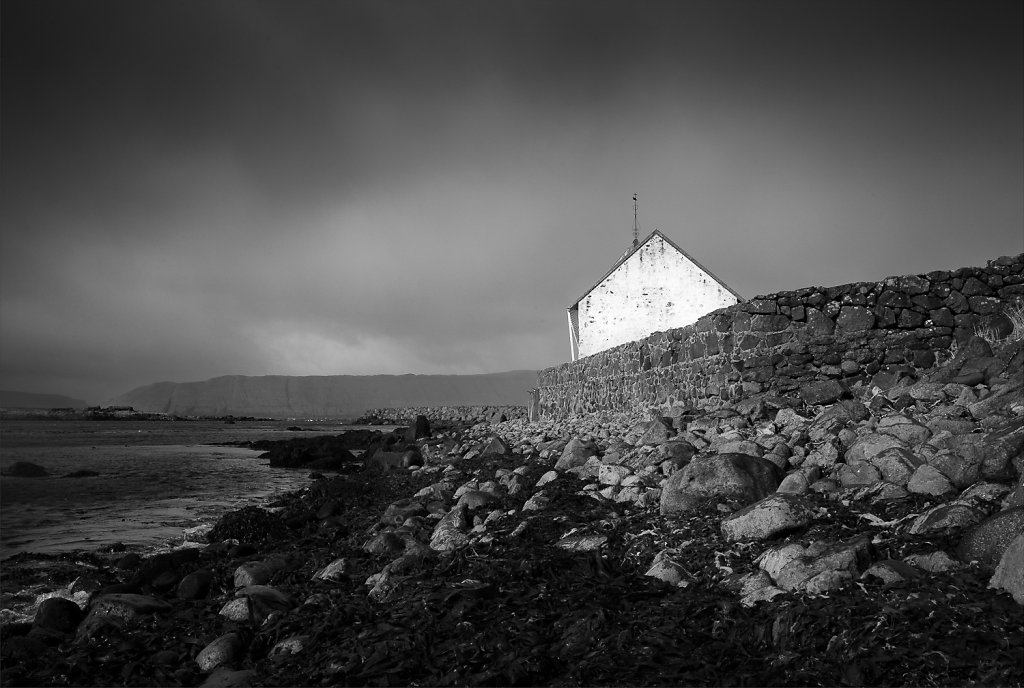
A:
[865,535]
[442,414]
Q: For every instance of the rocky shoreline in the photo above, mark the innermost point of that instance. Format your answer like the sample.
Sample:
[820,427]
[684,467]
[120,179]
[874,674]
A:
[871,535]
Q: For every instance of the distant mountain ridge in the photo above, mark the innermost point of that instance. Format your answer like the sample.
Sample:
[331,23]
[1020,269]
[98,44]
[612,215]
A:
[326,396]
[12,399]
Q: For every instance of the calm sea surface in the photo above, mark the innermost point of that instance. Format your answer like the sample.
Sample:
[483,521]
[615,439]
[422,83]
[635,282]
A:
[156,478]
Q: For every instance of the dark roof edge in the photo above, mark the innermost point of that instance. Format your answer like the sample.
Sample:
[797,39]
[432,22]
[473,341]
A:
[636,248]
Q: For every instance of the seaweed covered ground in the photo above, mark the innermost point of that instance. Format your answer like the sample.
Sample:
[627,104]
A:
[519,610]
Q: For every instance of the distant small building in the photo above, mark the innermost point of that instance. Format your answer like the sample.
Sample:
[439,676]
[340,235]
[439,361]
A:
[655,286]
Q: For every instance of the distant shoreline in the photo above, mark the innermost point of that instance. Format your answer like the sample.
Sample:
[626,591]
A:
[126,413]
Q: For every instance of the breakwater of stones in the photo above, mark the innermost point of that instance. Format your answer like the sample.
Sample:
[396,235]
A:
[779,343]
[444,414]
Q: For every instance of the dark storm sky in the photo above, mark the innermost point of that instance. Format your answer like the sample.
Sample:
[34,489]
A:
[194,189]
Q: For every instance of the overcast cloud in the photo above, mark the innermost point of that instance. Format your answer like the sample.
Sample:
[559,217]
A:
[193,189]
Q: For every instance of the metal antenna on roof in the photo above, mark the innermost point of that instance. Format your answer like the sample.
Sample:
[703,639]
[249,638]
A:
[636,224]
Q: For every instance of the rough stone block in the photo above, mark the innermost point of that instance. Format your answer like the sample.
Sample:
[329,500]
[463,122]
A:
[854,319]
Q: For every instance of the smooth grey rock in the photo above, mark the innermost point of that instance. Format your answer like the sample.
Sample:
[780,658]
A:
[944,516]
[225,650]
[858,475]
[667,567]
[58,614]
[1002,445]
[987,541]
[196,585]
[383,586]
[474,499]
[727,476]
[933,562]
[896,465]
[963,467]
[1009,575]
[822,392]
[930,481]
[904,429]
[788,420]
[871,445]
[892,571]
[253,573]
[655,432]
[495,445]
[800,480]
[537,502]
[266,599]
[385,542]
[612,475]
[127,606]
[546,478]
[397,512]
[237,610]
[757,587]
[776,514]
[576,453]
[450,533]
[825,566]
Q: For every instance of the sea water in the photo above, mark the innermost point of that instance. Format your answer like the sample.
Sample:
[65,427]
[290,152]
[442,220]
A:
[155,480]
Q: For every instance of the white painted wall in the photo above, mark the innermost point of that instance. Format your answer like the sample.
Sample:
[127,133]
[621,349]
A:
[655,289]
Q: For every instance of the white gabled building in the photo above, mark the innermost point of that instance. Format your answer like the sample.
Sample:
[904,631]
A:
[655,286]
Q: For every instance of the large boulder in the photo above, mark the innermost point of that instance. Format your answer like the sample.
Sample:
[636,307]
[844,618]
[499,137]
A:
[494,445]
[800,480]
[929,480]
[857,475]
[1009,575]
[870,445]
[1002,445]
[657,431]
[451,532]
[905,429]
[772,516]
[248,524]
[822,392]
[576,453]
[58,614]
[1001,401]
[324,453]
[944,516]
[896,465]
[724,476]
[384,461]
[819,567]
[987,541]
[225,650]
[119,609]
[836,417]
[420,429]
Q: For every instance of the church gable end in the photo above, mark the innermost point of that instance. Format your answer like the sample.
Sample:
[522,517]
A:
[654,287]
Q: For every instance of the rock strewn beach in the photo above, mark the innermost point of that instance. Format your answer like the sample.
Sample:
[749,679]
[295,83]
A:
[864,536]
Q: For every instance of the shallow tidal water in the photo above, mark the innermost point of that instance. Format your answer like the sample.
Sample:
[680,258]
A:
[156,479]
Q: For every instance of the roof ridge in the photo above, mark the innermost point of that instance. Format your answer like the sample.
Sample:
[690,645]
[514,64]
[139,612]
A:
[628,254]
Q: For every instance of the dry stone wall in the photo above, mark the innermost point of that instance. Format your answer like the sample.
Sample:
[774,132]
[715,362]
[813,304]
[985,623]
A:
[777,343]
